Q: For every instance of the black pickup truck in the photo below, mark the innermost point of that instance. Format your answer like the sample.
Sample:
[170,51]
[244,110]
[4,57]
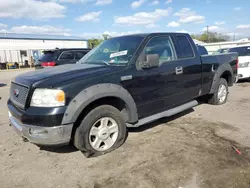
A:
[125,82]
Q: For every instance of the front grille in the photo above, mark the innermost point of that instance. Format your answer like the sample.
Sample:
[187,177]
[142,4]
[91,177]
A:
[18,94]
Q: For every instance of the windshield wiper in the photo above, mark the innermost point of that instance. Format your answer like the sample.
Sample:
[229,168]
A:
[105,62]
[96,62]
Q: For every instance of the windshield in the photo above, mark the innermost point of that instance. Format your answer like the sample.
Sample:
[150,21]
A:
[115,51]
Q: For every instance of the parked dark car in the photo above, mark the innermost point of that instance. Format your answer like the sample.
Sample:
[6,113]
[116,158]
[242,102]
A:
[51,58]
[222,51]
[201,50]
[126,81]
[3,66]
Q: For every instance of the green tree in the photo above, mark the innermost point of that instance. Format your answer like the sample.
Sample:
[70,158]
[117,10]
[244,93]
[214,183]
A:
[94,42]
[211,37]
[193,36]
[106,36]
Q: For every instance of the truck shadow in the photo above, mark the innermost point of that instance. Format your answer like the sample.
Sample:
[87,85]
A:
[2,84]
[70,148]
[60,149]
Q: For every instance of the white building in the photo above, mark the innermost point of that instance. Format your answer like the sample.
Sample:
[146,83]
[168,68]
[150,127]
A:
[23,47]
[213,47]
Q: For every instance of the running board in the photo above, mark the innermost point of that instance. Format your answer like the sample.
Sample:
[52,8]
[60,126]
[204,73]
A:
[167,113]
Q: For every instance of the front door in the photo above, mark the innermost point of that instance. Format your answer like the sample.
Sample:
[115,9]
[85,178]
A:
[156,89]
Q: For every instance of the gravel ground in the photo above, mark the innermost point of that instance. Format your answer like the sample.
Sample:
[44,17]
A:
[190,150]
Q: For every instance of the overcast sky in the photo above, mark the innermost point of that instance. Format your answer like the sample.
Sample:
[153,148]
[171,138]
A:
[92,18]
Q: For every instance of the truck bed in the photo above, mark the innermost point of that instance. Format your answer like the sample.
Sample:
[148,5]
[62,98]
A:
[210,65]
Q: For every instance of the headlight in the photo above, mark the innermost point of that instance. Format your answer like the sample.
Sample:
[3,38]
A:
[243,65]
[48,98]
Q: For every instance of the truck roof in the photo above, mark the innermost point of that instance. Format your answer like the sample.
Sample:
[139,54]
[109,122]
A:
[65,49]
[152,34]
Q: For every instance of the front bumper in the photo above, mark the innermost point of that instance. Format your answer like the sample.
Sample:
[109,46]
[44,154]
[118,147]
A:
[38,116]
[48,136]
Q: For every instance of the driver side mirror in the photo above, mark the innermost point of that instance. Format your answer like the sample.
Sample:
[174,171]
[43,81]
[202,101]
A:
[152,60]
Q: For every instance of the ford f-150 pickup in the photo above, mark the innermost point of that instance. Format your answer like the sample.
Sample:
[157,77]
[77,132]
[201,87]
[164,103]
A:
[126,81]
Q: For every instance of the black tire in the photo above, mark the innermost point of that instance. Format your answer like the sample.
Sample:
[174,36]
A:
[213,99]
[81,138]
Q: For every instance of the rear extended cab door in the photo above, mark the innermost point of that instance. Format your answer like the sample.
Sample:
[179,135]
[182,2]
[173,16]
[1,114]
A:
[189,59]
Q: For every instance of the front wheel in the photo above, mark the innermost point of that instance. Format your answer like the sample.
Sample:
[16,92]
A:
[221,93]
[102,130]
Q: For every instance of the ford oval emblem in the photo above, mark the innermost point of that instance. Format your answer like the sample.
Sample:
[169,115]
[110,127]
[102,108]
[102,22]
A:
[16,92]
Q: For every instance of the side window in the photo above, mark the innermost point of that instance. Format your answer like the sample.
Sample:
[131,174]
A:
[184,49]
[161,46]
[79,54]
[67,56]
[202,50]
[241,51]
[248,51]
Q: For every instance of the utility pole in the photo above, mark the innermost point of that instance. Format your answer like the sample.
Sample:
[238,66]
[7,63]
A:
[208,34]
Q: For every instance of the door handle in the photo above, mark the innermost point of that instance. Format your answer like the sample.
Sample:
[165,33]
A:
[178,70]
[213,68]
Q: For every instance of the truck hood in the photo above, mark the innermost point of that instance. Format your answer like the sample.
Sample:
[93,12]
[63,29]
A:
[59,74]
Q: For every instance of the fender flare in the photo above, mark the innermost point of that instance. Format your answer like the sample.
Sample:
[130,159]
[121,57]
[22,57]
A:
[223,68]
[95,92]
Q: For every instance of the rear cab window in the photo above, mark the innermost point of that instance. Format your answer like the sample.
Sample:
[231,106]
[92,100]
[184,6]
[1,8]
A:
[202,50]
[184,49]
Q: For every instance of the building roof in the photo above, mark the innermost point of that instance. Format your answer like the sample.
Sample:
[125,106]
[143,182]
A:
[39,37]
[244,40]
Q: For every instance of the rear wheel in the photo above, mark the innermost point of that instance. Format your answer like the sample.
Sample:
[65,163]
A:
[221,93]
[102,130]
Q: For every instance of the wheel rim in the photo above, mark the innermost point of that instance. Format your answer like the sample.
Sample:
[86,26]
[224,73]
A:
[103,134]
[222,93]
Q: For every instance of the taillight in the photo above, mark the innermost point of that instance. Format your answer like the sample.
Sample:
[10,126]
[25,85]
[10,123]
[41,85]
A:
[48,64]
[237,63]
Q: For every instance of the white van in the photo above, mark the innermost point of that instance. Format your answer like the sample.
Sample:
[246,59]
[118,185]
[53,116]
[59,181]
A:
[244,61]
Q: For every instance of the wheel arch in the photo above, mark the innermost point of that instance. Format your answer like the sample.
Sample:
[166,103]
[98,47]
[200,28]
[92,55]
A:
[111,94]
[227,75]
[224,71]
